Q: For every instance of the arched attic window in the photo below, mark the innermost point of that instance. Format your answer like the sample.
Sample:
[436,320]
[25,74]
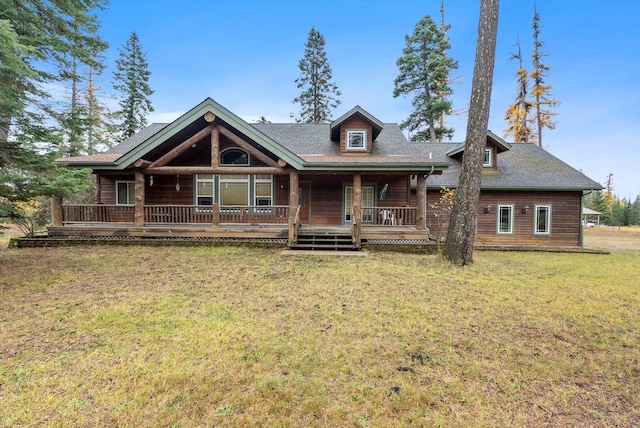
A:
[234,157]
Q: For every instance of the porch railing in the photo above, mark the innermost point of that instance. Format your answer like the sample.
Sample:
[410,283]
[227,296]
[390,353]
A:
[388,216]
[175,214]
[97,213]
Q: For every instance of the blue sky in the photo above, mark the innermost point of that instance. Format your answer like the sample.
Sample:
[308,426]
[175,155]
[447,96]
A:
[244,54]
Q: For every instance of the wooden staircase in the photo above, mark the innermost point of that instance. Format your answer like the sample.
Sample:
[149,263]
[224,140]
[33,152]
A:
[327,240]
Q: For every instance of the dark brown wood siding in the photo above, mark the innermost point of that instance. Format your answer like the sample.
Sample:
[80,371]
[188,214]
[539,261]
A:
[355,123]
[163,191]
[565,217]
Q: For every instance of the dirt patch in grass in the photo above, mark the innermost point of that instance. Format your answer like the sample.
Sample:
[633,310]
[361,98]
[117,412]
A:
[206,336]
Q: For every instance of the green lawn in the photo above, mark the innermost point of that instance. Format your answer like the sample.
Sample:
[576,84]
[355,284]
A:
[141,336]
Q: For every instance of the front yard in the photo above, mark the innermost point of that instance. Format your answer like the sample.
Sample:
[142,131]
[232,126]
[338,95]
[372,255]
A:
[167,336]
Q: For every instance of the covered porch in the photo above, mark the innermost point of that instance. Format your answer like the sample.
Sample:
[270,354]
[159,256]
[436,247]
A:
[281,221]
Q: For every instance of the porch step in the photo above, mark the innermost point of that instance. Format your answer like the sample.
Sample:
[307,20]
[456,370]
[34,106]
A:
[324,241]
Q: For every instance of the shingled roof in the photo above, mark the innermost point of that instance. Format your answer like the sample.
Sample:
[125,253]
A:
[523,167]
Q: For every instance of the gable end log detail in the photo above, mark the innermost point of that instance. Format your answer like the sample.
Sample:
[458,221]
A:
[182,147]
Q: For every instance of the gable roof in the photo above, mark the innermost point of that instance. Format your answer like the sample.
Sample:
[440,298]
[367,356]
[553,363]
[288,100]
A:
[376,125]
[141,143]
[525,166]
[501,145]
[302,146]
[390,151]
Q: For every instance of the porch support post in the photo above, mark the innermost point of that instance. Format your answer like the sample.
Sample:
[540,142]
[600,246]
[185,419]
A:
[138,215]
[215,216]
[357,207]
[293,204]
[56,211]
[420,202]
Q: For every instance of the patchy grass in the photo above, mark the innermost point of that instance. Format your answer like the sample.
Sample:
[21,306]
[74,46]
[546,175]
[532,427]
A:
[137,336]
[612,237]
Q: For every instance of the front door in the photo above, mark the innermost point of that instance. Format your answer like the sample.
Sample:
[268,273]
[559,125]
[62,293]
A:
[304,199]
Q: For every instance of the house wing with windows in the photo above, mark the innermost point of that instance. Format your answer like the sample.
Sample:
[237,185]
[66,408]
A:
[212,175]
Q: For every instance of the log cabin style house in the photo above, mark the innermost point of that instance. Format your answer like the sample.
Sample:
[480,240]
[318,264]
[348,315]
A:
[211,175]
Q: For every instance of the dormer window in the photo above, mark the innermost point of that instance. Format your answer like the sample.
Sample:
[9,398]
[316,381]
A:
[356,140]
[487,158]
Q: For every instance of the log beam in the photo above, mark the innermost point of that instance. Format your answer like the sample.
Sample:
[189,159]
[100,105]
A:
[215,147]
[420,202]
[182,147]
[293,204]
[56,211]
[138,215]
[248,147]
[357,206]
[142,163]
[192,170]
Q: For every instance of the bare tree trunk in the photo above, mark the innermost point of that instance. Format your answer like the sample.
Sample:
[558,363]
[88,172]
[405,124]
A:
[458,248]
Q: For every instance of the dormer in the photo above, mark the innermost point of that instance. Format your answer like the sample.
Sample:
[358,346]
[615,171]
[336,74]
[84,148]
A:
[494,146]
[356,131]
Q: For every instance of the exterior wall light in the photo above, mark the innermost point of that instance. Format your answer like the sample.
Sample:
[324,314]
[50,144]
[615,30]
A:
[487,209]
[525,209]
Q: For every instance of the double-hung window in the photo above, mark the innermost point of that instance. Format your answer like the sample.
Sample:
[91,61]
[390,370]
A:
[505,219]
[542,220]
[204,189]
[204,192]
[125,192]
[487,158]
[263,189]
[356,140]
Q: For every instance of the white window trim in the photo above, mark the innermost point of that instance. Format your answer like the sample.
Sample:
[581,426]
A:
[225,180]
[511,215]
[211,180]
[535,220]
[255,189]
[363,132]
[127,182]
[346,217]
[490,163]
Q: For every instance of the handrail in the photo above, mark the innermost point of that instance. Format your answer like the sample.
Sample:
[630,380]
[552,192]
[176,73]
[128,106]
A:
[354,227]
[296,224]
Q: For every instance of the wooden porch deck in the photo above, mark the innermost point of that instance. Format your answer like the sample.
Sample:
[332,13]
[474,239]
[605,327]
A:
[234,231]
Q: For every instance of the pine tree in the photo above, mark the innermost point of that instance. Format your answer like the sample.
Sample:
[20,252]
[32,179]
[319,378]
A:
[99,128]
[542,101]
[36,39]
[424,74]
[132,81]
[517,114]
[458,248]
[85,56]
[319,95]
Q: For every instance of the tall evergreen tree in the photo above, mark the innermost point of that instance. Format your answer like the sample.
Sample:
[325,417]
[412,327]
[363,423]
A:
[542,100]
[132,81]
[36,38]
[319,94]
[99,127]
[517,114]
[458,248]
[86,55]
[424,73]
